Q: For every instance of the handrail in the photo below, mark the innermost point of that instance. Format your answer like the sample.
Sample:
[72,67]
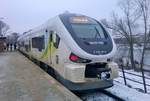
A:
[136,74]
[144,77]
[134,80]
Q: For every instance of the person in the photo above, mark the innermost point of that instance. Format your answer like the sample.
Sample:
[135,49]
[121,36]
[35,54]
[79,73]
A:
[11,47]
[120,62]
[15,46]
[7,46]
[4,46]
[136,64]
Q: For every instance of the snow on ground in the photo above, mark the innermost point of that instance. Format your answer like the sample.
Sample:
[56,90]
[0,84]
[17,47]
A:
[120,90]
[97,96]
[127,93]
[136,78]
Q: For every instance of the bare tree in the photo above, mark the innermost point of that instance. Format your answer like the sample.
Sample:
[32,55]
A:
[134,11]
[126,24]
[3,28]
[144,8]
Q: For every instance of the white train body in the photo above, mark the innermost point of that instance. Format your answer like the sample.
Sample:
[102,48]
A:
[80,63]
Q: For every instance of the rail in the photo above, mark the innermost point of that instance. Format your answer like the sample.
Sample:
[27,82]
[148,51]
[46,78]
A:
[92,95]
[112,95]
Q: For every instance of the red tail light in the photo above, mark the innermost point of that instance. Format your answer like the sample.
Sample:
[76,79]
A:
[73,58]
[77,59]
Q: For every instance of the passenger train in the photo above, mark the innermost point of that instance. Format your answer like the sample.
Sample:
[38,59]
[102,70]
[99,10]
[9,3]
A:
[76,47]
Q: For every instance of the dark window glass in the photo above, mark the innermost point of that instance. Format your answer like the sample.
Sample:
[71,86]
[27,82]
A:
[56,44]
[38,42]
[90,31]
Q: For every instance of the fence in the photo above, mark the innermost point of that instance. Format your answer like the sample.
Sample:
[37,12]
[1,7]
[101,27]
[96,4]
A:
[142,76]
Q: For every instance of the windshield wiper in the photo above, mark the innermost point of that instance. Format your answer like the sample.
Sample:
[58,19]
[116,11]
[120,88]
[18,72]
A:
[97,34]
[86,42]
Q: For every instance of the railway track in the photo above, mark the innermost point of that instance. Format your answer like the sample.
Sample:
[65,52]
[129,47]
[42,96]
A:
[98,95]
[113,96]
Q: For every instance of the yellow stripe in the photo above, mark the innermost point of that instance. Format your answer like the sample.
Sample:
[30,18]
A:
[50,49]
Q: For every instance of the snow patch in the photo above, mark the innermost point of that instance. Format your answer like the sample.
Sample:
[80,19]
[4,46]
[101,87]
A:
[127,93]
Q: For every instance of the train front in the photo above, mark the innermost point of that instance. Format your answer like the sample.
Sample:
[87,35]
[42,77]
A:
[91,48]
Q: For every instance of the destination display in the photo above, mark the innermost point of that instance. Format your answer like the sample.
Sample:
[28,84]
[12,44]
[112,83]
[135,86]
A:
[81,20]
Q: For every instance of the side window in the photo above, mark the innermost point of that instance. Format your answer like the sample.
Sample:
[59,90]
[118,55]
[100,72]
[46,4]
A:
[55,38]
[30,44]
[38,42]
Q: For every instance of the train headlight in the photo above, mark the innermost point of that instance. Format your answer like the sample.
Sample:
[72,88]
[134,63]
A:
[75,58]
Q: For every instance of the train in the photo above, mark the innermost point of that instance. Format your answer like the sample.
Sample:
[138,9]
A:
[77,48]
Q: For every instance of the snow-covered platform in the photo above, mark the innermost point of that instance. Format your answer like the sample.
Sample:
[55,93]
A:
[22,80]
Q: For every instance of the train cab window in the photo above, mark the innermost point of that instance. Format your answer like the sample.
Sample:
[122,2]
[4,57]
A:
[87,28]
[55,39]
[38,42]
[92,31]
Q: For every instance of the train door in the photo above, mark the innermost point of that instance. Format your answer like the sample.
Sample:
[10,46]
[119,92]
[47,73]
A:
[54,42]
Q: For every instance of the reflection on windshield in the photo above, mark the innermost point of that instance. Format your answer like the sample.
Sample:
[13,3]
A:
[90,31]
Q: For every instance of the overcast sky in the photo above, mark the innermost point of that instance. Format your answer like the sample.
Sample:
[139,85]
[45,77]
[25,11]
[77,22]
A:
[22,15]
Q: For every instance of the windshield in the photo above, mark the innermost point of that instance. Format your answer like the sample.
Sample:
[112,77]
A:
[90,31]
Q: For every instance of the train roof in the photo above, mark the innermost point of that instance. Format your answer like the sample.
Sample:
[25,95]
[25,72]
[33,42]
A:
[47,23]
